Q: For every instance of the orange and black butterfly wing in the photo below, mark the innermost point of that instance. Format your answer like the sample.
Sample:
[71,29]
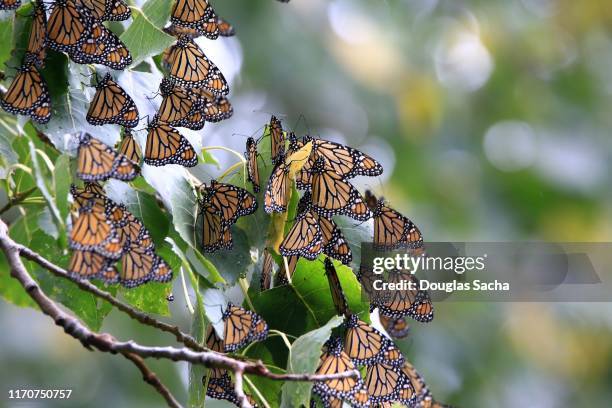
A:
[277,140]
[107,10]
[252,167]
[335,287]
[267,270]
[304,237]
[333,361]
[140,265]
[130,148]
[238,326]
[277,191]
[225,28]
[385,383]
[414,303]
[165,145]
[111,104]
[69,25]
[215,108]
[197,15]
[9,4]
[37,42]
[90,265]
[344,160]
[212,227]
[28,94]
[103,47]
[397,328]
[191,68]
[230,201]
[334,244]
[97,161]
[332,195]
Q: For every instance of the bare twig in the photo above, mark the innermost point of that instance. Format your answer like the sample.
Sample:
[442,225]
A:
[151,378]
[106,343]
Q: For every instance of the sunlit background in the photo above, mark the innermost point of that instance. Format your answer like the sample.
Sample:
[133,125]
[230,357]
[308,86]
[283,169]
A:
[492,120]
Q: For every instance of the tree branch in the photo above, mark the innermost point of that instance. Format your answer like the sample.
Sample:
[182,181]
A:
[151,378]
[135,314]
[106,343]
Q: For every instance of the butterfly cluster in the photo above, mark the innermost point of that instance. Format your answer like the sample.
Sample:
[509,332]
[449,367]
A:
[389,378]
[240,328]
[105,232]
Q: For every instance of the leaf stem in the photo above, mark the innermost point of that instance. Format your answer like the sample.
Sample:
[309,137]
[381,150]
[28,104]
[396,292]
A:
[253,388]
[16,199]
[186,292]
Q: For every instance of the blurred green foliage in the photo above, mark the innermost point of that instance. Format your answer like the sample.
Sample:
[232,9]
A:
[492,120]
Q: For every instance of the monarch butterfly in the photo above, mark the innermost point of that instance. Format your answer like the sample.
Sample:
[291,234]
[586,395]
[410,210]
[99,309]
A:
[230,201]
[415,303]
[277,191]
[92,230]
[131,230]
[103,47]
[165,145]
[365,345]
[141,265]
[90,265]
[213,230]
[9,4]
[93,195]
[333,241]
[385,383]
[335,287]
[344,160]
[130,147]
[267,269]
[38,34]
[391,229]
[277,140]
[196,14]
[225,28]
[111,104]
[304,238]
[241,328]
[334,360]
[97,161]
[28,93]
[332,195]
[397,328]
[190,68]
[214,108]
[107,10]
[252,167]
[69,25]
[178,107]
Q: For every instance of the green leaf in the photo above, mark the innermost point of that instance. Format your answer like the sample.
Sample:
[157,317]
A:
[178,197]
[61,182]
[157,11]
[6,36]
[303,358]
[143,38]
[40,183]
[10,289]
[150,297]
[307,303]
